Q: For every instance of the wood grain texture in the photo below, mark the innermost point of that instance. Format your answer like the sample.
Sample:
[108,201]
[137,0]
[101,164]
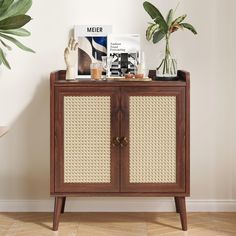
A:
[117,113]
[60,81]
[182,212]
[186,75]
[177,205]
[120,92]
[118,224]
[119,194]
[57,212]
[63,205]
[53,78]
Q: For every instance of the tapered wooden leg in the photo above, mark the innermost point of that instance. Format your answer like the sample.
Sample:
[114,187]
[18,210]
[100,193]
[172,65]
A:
[57,212]
[182,210]
[63,205]
[177,205]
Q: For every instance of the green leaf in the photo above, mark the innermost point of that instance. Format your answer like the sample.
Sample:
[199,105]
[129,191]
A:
[3,59]
[178,20]
[156,16]
[189,27]
[169,17]
[5,5]
[5,45]
[18,32]
[150,31]
[14,22]
[158,36]
[150,9]
[20,7]
[17,43]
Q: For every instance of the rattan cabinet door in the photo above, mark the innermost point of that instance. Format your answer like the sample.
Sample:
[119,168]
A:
[153,126]
[86,123]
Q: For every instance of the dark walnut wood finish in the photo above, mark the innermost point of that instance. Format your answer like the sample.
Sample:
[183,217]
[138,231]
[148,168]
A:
[119,185]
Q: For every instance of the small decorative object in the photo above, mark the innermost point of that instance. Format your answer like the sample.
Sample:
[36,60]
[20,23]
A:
[162,29]
[92,41]
[107,62]
[70,55]
[139,76]
[141,66]
[96,70]
[129,76]
[12,18]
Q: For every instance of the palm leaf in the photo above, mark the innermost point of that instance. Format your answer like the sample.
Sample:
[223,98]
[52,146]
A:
[189,27]
[16,42]
[18,32]
[158,36]
[3,59]
[14,22]
[150,31]
[20,7]
[5,5]
[156,16]
[169,17]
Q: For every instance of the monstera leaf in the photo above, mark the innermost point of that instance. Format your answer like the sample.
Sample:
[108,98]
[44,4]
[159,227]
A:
[12,18]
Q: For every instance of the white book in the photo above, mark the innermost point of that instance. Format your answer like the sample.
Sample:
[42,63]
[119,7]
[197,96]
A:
[125,50]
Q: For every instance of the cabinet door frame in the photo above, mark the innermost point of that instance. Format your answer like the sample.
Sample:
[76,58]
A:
[180,185]
[60,186]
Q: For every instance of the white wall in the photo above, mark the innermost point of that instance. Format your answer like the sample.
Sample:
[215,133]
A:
[210,57]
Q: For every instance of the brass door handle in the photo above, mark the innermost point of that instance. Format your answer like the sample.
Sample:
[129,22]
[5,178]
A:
[124,141]
[116,141]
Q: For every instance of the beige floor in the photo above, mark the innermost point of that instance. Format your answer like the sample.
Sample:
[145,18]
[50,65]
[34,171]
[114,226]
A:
[117,224]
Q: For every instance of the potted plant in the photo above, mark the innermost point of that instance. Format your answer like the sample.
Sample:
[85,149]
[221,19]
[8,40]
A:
[12,18]
[162,28]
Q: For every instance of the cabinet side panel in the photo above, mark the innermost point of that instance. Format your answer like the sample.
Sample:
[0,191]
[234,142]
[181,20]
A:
[152,139]
[187,76]
[52,133]
[87,155]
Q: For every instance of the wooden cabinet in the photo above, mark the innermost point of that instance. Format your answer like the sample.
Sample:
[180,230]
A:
[119,139]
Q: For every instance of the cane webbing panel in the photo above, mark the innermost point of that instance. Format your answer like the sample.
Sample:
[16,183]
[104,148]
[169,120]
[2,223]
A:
[87,139]
[152,139]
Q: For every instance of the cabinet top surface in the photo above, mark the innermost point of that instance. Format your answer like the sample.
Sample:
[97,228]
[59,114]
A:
[58,79]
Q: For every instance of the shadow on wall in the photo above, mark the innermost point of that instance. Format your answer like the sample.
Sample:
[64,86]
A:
[24,151]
